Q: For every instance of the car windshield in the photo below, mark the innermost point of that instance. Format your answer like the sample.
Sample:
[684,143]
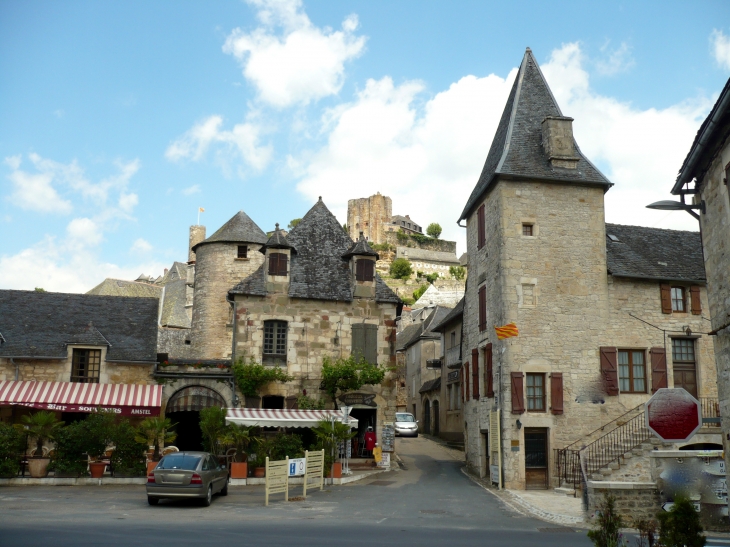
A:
[179,461]
[404,418]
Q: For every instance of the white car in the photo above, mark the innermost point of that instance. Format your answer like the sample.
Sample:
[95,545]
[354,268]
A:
[405,425]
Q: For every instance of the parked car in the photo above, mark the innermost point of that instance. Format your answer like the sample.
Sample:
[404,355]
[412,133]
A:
[187,475]
[405,425]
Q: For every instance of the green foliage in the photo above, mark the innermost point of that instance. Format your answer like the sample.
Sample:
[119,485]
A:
[156,431]
[432,277]
[40,289]
[382,247]
[457,272]
[293,223]
[330,434]
[70,453]
[434,230]
[401,236]
[239,437]
[418,293]
[128,456]
[12,444]
[98,430]
[348,374]
[252,376]
[304,402]
[407,300]
[278,447]
[680,527]
[41,426]
[420,274]
[420,238]
[607,532]
[400,268]
[213,427]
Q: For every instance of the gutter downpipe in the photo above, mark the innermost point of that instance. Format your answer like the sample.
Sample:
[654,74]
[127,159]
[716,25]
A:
[234,397]
[17,368]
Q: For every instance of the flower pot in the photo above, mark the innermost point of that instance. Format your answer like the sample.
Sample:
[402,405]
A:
[97,469]
[38,467]
[259,472]
[239,470]
[336,472]
[151,466]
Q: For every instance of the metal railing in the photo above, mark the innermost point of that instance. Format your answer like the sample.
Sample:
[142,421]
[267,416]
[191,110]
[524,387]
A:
[710,411]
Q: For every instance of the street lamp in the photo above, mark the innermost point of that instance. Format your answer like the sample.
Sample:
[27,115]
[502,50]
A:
[669,205]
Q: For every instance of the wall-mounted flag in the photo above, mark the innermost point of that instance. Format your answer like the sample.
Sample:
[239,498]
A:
[507,331]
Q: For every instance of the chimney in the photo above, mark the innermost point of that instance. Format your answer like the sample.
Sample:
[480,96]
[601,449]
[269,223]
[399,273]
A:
[557,140]
[197,234]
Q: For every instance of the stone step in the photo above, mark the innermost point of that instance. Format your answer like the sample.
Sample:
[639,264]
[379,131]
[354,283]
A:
[564,491]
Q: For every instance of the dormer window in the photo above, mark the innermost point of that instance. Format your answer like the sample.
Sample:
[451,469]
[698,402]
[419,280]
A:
[242,251]
[364,270]
[86,366]
[277,264]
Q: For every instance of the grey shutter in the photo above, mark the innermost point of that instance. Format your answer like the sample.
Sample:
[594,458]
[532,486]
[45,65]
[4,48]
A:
[371,344]
[358,341]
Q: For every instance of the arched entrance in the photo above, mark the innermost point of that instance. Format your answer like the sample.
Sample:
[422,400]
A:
[427,416]
[184,408]
[435,417]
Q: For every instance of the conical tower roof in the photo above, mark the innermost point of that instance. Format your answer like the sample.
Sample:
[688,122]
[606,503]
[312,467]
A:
[277,241]
[517,150]
[239,229]
[361,248]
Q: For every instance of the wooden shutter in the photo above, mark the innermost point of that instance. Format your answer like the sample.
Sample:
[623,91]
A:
[556,392]
[466,381]
[368,272]
[283,264]
[359,270]
[462,383]
[371,344]
[694,292]
[482,309]
[658,368]
[481,226]
[609,370]
[666,292]
[518,396]
[273,263]
[358,341]
[488,371]
[475,372]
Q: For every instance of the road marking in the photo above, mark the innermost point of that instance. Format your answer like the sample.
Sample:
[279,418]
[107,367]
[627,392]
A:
[382,520]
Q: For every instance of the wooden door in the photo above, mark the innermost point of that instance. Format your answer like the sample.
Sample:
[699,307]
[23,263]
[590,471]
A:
[686,377]
[536,458]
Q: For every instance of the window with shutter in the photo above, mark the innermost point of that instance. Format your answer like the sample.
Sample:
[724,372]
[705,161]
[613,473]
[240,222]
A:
[609,370]
[488,371]
[482,309]
[481,226]
[365,342]
[475,372]
[694,292]
[518,395]
[277,264]
[556,392]
[666,295]
[364,270]
[658,368]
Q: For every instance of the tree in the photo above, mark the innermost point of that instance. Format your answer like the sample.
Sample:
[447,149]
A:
[348,374]
[432,277]
[293,223]
[400,268]
[434,230]
[156,431]
[418,293]
[252,376]
[213,427]
[40,426]
[457,272]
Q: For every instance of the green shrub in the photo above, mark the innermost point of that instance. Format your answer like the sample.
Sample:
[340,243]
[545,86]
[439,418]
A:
[434,230]
[128,456]
[418,293]
[348,374]
[400,268]
[70,453]
[12,445]
[213,427]
[304,402]
[252,376]
[457,272]
[680,526]
[98,430]
[407,300]
[607,532]
[432,277]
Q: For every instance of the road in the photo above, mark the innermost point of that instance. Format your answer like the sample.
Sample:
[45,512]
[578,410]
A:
[429,503]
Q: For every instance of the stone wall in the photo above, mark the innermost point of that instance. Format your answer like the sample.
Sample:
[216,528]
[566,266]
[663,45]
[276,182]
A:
[634,500]
[173,342]
[369,215]
[428,244]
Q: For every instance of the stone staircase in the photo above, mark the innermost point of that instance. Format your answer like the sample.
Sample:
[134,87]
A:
[632,466]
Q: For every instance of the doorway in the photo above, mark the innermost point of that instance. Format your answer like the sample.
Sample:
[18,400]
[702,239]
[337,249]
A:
[183,410]
[366,417]
[427,417]
[536,460]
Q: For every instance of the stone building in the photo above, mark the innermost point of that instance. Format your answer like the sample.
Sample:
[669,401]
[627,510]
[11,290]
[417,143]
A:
[316,295]
[53,345]
[369,216]
[704,177]
[606,314]
[428,261]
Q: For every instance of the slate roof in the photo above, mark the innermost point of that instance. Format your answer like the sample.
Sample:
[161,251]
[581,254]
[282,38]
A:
[454,315]
[517,150]
[407,336]
[36,324]
[361,248]
[317,270]
[431,385]
[119,287]
[89,336]
[423,330]
[277,241]
[239,229]
[174,313]
[653,253]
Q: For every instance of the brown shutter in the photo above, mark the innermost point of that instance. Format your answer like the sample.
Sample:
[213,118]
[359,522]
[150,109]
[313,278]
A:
[482,309]
[609,370]
[518,397]
[556,392]
[359,267]
[368,270]
[658,368]
[666,292]
[466,381]
[481,227]
[694,292]
[463,387]
[475,372]
[273,261]
[489,374]
[282,264]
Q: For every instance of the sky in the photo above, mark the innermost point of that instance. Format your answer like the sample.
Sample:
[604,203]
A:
[119,120]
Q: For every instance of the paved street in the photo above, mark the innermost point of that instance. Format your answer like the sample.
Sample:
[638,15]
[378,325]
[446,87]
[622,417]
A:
[430,502]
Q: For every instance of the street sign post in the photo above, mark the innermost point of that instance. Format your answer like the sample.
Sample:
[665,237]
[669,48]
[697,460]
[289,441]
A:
[673,415]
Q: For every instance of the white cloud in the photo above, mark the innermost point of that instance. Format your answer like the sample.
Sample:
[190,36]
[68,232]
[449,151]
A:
[190,190]
[84,232]
[35,192]
[614,61]
[243,139]
[140,246]
[300,64]
[721,48]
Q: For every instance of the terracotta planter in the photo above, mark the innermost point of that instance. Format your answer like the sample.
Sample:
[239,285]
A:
[239,470]
[97,469]
[259,472]
[336,472]
[151,466]
[38,467]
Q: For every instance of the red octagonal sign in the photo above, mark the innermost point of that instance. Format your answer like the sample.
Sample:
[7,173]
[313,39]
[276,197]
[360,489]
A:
[673,415]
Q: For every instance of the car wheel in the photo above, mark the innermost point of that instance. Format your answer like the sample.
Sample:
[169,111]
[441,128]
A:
[416,435]
[209,497]
[224,490]
[153,501]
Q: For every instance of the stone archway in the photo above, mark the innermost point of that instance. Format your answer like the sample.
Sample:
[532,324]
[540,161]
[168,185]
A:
[183,408]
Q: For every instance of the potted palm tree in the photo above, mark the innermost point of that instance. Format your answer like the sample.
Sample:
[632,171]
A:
[330,434]
[240,438]
[155,432]
[42,427]
[98,431]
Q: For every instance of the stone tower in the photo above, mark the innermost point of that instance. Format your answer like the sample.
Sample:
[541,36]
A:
[221,261]
[369,216]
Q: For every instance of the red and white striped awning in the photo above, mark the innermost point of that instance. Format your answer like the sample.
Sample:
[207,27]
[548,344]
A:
[123,399]
[264,417]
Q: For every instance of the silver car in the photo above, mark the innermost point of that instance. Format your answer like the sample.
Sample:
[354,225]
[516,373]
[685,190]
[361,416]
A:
[405,425]
[187,475]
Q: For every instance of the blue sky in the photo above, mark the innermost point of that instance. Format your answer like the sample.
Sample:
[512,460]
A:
[120,119]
